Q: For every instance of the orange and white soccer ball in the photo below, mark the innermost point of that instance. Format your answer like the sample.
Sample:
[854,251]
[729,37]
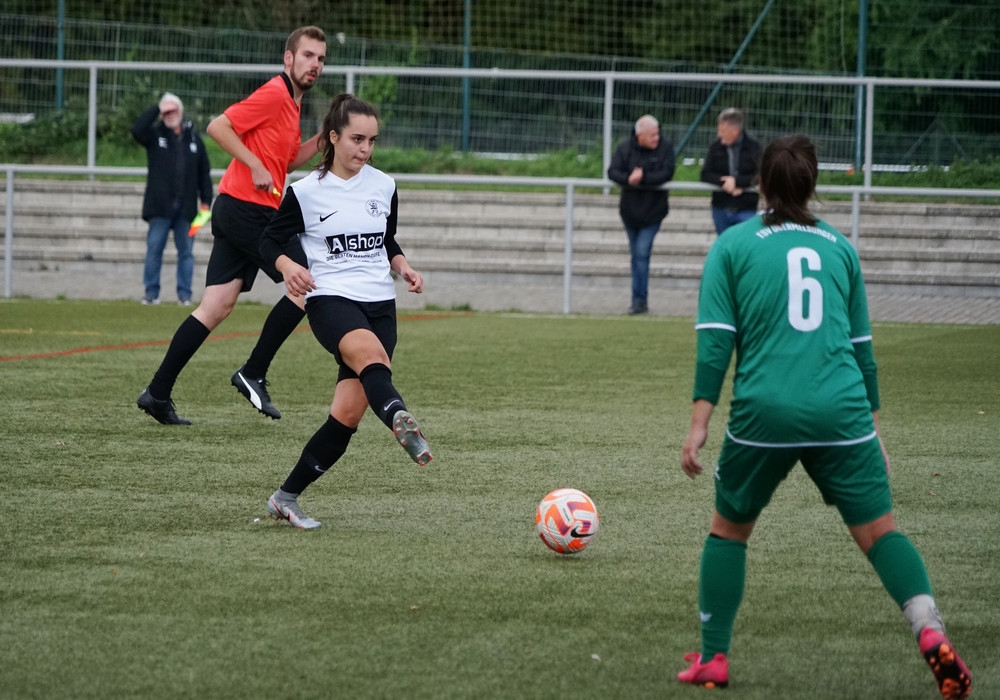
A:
[566,520]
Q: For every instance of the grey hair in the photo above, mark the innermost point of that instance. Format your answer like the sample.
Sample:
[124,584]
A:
[168,98]
[731,115]
[646,120]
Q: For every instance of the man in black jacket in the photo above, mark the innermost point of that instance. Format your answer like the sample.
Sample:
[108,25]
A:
[732,163]
[641,164]
[179,173]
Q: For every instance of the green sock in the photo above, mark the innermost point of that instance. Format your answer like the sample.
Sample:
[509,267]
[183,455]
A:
[720,591]
[900,567]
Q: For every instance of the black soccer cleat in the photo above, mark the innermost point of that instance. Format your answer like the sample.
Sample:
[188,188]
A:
[255,391]
[160,409]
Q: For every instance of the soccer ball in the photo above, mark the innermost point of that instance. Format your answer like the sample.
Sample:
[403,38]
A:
[566,520]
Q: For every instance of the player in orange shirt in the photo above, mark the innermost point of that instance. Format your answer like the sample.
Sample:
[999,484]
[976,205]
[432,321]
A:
[263,135]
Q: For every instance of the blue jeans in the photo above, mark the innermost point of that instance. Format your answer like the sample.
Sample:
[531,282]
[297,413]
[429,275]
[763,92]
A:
[156,241]
[724,218]
[640,246]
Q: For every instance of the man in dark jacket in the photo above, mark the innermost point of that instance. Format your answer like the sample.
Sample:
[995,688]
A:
[641,165]
[732,163]
[179,173]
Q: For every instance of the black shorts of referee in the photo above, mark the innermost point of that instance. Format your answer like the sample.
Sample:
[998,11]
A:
[236,230]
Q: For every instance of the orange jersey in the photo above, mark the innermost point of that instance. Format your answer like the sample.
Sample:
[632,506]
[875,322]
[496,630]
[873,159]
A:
[267,122]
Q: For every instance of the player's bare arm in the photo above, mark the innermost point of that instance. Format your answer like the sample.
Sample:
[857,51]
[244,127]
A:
[222,131]
[402,268]
[885,455]
[307,151]
[701,412]
[298,279]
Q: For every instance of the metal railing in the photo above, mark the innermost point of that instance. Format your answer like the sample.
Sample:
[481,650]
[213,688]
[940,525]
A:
[609,79]
[568,185]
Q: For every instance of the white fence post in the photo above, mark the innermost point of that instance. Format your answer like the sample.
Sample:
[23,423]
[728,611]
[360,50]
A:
[568,264]
[92,120]
[855,218]
[8,236]
[609,99]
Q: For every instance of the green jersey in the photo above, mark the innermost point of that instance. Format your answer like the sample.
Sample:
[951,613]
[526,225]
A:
[791,300]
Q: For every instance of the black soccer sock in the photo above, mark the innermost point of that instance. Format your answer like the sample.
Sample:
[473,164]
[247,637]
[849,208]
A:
[376,379]
[187,339]
[324,448]
[280,323]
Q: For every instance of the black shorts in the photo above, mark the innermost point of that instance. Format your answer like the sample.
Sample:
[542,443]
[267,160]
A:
[236,230]
[331,318]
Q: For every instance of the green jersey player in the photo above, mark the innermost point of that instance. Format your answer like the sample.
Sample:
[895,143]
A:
[785,291]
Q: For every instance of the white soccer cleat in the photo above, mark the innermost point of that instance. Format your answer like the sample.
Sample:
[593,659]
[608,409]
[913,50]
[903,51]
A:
[283,506]
[407,432]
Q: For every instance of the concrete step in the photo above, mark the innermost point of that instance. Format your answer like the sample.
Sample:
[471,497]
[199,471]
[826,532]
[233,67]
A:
[985,284]
[68,230]
[665,242]
[923,245]
[940,235]
[47,254]
[593,268]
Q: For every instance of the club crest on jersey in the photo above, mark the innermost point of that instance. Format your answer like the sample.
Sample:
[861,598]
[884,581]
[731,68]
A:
[353,243]
[373,207]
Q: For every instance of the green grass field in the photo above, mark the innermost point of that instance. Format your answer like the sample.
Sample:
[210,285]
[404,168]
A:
[136,560]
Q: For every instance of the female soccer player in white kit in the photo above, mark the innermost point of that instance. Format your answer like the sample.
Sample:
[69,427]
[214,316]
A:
[344,213]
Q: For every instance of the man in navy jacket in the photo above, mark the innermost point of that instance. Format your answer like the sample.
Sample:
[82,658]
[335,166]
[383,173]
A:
[641,164]
[179,174]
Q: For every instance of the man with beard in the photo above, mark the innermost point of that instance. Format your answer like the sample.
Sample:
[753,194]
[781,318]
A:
[262,133]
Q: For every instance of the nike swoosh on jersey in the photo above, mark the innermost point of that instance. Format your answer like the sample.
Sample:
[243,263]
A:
[324,218]
[705,617]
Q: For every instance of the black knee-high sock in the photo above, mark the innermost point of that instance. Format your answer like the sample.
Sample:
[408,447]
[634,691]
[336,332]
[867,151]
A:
[280,323]
[324,448]
[376,379]
[185,343]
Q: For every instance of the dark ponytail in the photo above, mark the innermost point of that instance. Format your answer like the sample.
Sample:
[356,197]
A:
[788,173]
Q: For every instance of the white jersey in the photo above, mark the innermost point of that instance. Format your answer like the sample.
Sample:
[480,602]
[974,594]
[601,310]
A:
[347,230]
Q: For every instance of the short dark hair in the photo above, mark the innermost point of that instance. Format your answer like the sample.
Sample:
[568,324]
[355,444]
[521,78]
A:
[788,173]
[313,32]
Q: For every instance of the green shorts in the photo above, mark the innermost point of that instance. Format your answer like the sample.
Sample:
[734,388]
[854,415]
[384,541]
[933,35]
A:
[850,477]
